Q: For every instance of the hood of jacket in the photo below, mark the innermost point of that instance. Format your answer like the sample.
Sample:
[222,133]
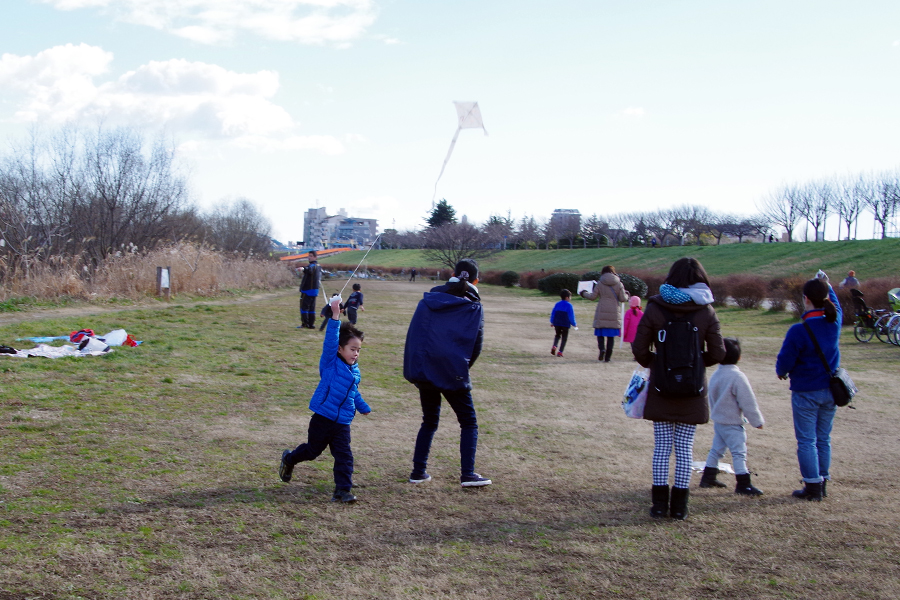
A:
[439,301]
[609,279]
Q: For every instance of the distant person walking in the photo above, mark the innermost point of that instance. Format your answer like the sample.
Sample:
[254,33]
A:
[354,303]
[850,282]
[812,404]
[412,274]
[561,319]
[684,297]
[309,290]
[609,293]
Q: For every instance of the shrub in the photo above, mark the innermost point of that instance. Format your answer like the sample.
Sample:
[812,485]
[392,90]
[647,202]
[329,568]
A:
[719,288]
[778,294]
[552,284]
[794,292]
[509,279]
[634,285]
[748,291]
[591,276]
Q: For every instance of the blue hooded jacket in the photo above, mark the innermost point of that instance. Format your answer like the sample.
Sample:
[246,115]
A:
[444,339]
[337,395]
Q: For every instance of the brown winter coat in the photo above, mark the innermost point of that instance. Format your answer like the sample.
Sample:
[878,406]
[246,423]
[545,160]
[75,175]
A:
[693,411]
[610,292]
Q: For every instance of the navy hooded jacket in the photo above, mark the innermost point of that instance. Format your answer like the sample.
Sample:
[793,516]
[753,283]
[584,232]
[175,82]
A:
[444,339]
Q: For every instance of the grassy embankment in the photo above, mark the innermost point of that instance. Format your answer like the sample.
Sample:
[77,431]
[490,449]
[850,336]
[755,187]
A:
[869,258]
[151,472]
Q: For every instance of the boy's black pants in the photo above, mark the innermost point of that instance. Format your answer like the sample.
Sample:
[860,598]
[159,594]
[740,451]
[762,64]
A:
[322,434]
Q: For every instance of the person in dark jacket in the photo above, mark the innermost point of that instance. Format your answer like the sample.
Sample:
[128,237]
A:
[309,290]
[443,342]
[812,404]
[685,292]
[354,303]
[334,404]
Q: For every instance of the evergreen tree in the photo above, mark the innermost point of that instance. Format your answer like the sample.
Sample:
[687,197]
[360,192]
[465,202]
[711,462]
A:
[441,214]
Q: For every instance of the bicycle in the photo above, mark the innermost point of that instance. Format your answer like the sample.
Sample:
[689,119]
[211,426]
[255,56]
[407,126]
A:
[867,319]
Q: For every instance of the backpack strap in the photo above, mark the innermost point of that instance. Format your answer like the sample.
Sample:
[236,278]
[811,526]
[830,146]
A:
[818,348]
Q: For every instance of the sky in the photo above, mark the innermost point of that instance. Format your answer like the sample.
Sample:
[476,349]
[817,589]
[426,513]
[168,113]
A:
[595,105]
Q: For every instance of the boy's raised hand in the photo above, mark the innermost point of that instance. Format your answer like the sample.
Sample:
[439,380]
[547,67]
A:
[336,306]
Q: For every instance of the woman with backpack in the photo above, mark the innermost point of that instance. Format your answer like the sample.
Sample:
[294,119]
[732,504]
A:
[677,338]
[812,404]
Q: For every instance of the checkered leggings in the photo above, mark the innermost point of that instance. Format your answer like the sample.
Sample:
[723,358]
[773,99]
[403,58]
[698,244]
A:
[681,436]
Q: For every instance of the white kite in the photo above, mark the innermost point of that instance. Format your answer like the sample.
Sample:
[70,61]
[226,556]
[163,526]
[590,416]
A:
[469,118]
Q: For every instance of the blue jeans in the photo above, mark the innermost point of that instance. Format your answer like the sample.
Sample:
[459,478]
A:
[813,418]
[461,403]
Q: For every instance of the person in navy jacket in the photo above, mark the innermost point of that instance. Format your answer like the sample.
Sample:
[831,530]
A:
[334,403]
[443,342]
[812,404]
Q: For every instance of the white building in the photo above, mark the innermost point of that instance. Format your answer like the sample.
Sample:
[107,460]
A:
[321,230]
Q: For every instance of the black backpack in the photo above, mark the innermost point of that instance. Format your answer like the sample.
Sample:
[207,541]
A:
[678,371]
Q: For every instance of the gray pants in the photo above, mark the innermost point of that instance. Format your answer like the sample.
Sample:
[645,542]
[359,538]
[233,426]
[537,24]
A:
[733,438]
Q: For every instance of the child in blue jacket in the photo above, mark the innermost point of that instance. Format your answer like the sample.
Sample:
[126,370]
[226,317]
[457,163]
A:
[334,403]
[562,317]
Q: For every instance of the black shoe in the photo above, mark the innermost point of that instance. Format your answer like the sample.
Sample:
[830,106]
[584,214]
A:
[285,470]
[678,508]
[744,487]
[659,495]
[709,480]
[810,491]
[474,480]
[343,496]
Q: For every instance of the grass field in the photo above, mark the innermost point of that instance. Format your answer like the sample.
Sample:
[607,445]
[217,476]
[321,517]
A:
[151,473]
[869,258]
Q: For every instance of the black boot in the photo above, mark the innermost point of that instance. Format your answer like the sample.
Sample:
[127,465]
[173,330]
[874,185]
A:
[824,493]
[744,487]
[659,494]
[709,480]
[678,509]
[810,491]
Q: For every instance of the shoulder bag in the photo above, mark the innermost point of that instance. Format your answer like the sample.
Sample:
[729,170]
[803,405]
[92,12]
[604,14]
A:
[842,387]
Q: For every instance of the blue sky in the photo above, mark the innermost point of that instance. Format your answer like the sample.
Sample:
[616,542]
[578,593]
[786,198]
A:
[595,105]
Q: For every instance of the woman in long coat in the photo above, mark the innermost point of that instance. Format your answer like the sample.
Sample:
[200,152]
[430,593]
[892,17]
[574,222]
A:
[609,293]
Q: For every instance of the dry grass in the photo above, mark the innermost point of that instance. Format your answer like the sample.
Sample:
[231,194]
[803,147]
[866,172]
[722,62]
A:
[195,271]
[152,473]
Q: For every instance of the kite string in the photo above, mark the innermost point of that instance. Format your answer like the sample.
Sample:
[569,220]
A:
[340,293]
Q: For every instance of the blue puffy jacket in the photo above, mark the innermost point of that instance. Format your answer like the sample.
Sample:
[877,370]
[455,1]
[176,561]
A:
[337,395]
[444,339]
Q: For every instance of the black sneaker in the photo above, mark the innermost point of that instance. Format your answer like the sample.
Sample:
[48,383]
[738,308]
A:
[474,480]
[285,470]
[416,478]
[343,496]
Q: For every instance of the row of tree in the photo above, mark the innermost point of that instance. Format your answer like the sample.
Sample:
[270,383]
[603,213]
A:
[91,194]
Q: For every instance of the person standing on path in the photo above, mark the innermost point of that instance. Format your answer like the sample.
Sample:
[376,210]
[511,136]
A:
[608,317]
[812,404]
[443,342]
[684,295]
[309,290]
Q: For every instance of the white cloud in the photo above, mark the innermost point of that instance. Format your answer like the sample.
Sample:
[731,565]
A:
[190,98]
[633,111]
[216,21]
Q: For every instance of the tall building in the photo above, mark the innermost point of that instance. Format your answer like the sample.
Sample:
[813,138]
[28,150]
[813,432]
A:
[321,230]
[566,221]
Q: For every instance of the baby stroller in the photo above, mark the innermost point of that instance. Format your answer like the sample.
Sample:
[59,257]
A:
[867,319]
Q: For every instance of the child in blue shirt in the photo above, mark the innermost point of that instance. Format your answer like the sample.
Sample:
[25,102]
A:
[562,317]
[334,403]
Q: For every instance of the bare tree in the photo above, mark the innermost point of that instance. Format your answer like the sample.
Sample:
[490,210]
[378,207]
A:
[451,242]
[782,208]
[239,226]
[884,201]
[851,200]
[499,229]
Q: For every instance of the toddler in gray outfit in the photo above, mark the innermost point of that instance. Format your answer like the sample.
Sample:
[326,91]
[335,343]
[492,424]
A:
[731,403]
